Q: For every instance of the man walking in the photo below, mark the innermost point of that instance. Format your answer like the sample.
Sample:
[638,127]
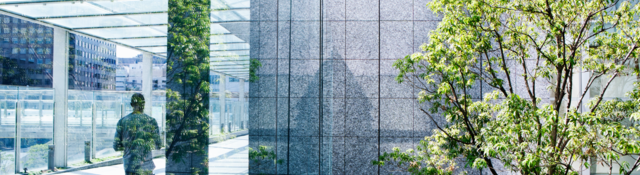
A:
[137,134]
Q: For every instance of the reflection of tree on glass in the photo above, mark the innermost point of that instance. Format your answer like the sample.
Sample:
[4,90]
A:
[137,134]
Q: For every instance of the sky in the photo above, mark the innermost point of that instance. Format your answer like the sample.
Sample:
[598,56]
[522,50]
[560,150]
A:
[126,52]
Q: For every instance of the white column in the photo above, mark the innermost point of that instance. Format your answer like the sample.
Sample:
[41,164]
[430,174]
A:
[222,97]
[242,107]
[147,81]
[60,86]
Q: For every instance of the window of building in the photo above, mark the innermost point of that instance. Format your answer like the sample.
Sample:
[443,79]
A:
[31,51]
[23,30]
[40,30]
[16,20]
[7,20]
[32,30]
[48,61]
[23,41]
[39,61]
[31,41]
[47,51]
[48,30]
[39,40]
[6,41]
[15,30]
[47,40]
[15,40]
[23,50]
[6,30]
[39,50]
[15,50]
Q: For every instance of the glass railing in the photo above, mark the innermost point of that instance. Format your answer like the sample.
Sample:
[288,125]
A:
[29,111]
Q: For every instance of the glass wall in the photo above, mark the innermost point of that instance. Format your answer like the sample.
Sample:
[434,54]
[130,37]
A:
[9,96]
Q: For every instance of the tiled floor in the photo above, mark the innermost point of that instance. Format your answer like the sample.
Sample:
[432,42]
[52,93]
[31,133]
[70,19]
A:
[228,157]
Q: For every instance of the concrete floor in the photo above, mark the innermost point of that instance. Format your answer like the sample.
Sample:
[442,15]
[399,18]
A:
[228,157]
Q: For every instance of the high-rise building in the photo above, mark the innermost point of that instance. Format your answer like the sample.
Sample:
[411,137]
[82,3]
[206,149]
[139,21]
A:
[26,53]
[92,64]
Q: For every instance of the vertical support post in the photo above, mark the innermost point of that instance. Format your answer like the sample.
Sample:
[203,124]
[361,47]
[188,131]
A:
[242,107]
[223,97]
[18,138]
[87,151]
[40,110]
[147,81]
[50,165]
[164,127]
[60,86]
[121,110]
[94,116]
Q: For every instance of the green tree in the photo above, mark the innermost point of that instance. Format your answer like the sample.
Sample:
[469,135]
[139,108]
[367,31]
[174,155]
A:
[501,43]
[6,163]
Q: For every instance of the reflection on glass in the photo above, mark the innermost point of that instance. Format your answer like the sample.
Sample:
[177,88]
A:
[9,96]
[36,109]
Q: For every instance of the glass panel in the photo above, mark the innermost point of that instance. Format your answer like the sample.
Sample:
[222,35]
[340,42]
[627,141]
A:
[105,21]
[226,4]
[133,6]
[36,106]
[126,32]
[9,97]
[55,9]
[230,15]
[154,49]
[107,116]
[78,124]
[143,42]
[221,47]
[225,39]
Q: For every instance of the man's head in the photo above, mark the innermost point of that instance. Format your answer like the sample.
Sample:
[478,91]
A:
[137,102]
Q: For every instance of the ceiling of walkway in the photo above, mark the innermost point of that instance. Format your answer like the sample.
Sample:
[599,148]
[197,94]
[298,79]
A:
[142,24]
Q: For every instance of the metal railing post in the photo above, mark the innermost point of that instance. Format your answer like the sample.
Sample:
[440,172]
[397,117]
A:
[87,151]
[94,116]
[17,139]
[121,110]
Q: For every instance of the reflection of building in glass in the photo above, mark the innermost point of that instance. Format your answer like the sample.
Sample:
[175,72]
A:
[129,73]
[92,64]
[26,53]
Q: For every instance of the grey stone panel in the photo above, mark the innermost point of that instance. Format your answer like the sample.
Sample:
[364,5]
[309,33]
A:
[305,40]
[396,10]
[362,10]
[333,117]
[264,86]
[254,41]
[305,10]
[304,119]
[333,79]
[396,39]
[332,155]
[282,120]
[305,78]
[362,117]
[268,10]
[421,32]
[255,10]
[389,87]
[360,151]
[284,39]
[396,117]
[334,43]
[333,10]
[304,155]
[422,12]
[269,67]
[387,144]
[422,124]
[362,79]
[268,40]
[262,112]
[283,78]
[284,10]
[282,154]
[362,40]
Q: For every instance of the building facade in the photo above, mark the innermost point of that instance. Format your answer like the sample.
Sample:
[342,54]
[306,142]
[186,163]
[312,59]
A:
[26,53]
[92,63]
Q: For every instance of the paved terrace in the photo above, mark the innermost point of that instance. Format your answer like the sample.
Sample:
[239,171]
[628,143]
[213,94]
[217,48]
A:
[228,157]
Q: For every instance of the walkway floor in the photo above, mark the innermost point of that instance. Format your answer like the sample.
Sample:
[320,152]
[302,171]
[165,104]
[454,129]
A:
[228,157]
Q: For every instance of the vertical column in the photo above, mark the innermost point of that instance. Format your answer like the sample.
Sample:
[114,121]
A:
[60,86]
[242,107]
[223,98]
[187,87]
[147,81]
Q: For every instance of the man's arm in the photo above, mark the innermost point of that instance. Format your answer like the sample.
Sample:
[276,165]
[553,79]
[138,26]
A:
[117,140]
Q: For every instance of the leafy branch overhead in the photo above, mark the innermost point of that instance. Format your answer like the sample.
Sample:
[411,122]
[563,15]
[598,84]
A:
[527,86]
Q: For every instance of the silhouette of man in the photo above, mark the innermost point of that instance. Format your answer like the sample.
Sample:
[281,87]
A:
[137,134]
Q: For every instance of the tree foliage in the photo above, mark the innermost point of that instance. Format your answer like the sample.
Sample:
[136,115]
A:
[188,82]
[547,66]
